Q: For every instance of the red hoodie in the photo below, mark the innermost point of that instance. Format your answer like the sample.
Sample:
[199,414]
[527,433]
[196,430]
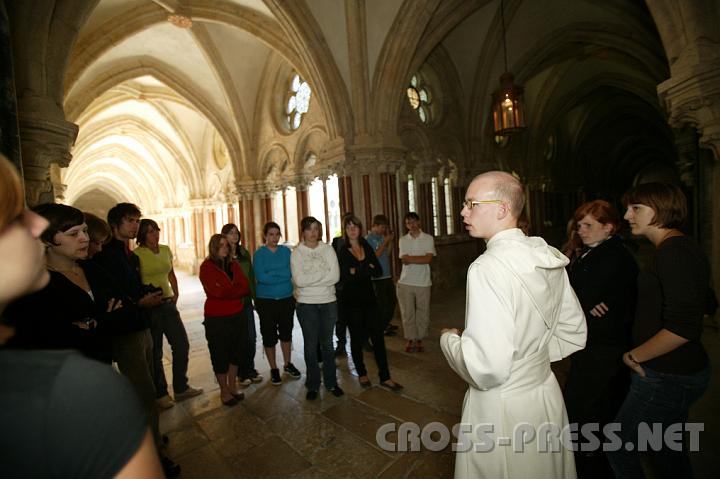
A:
[224,296]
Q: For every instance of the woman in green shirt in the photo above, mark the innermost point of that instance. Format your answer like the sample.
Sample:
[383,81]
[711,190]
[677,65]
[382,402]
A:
[156,269]
[246,374]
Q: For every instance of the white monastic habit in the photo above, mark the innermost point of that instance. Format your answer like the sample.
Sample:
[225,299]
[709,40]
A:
[521,314]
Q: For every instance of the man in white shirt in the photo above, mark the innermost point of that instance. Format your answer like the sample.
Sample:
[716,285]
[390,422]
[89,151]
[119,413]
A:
[521,314]
[413,289]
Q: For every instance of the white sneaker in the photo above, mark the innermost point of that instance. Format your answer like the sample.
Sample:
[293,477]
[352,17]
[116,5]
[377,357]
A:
[188,393]
[165,402]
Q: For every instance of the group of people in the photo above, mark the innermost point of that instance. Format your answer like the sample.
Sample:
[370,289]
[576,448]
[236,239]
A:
[71,282]
[314,280]
[111,303]
[633,336]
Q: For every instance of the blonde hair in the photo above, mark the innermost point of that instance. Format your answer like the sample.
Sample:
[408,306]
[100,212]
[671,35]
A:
[12,197]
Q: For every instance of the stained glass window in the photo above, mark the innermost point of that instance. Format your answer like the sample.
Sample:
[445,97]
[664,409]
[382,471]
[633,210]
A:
[298,101]
[419,97]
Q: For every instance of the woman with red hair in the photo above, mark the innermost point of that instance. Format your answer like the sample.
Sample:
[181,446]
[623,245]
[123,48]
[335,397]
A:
[603,276]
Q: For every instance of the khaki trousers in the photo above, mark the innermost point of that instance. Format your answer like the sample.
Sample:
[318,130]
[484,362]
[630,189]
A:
[414,304]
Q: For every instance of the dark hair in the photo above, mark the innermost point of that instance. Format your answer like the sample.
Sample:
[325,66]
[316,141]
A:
[603,212]
[97,228]
[412,216]
[380,220]
[120,211]
[61,218]
[667,201]
[270,225]
[350,220]
[144,229]
[213,252]
[307,222]
[226,230]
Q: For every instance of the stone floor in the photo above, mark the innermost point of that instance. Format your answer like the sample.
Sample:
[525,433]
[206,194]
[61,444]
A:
[275,432]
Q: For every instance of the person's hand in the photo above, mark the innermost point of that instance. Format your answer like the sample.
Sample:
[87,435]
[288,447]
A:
[175,298]
[630,362]
[113,305]
[388,237]
[86,325]
[151,299]
[352,270]
[599,310]
[404,260]
[450,330]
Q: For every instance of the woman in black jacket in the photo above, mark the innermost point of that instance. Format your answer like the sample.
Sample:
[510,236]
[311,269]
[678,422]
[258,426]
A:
[603,276]
[358,265]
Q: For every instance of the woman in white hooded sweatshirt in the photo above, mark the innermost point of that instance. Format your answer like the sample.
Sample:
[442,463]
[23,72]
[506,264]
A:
[315,271]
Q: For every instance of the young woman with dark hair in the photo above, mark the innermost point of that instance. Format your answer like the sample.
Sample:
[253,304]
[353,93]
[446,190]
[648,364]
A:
[315,272]
[156,270]
[669,363]
[275,302]
[64,315]
[247,374]
[358,265]
[225,286]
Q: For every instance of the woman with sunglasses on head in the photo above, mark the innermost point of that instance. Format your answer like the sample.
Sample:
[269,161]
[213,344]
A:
[156,271]
[45,394]
[358,265]
[247,374]
[225,286]
[669,363]
[64,315]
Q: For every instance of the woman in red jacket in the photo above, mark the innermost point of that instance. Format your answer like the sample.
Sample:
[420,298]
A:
[225,286]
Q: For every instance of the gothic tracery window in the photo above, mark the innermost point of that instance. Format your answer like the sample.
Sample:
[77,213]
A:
[298,101]
[419,97]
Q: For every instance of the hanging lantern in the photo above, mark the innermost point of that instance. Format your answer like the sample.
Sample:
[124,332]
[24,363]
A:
[508,107]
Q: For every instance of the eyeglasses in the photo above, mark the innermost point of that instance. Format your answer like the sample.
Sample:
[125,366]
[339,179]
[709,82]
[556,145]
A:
[470,204]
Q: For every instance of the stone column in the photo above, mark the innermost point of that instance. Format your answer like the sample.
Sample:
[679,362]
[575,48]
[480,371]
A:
[43,142]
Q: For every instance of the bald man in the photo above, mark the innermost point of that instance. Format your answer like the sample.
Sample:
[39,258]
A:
[521,315]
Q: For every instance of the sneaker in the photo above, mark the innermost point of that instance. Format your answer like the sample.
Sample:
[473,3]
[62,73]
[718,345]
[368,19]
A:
[337,392]
[340,351]
[188,393]
[311,395]
[255,377]
[275,377]
[244,382]
[292,370]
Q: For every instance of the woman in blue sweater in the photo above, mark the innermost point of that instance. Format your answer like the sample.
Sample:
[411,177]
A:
[274,300]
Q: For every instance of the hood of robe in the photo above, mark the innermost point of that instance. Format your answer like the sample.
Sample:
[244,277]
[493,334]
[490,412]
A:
[538,266]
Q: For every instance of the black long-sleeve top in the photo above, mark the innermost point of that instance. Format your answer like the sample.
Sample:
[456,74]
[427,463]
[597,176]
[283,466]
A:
[356,287]
[671,295]
[606,274]
[44,320]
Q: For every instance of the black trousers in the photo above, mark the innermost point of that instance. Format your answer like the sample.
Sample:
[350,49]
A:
[226,337]
[365,322]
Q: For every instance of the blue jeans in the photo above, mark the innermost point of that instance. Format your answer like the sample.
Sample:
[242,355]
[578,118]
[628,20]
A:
[165,321]
[317,322]
[656,398]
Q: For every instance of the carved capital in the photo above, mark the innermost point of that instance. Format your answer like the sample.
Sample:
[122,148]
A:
[694,99]
[44,142]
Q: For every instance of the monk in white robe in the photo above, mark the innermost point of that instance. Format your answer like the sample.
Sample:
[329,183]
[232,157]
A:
[521,314]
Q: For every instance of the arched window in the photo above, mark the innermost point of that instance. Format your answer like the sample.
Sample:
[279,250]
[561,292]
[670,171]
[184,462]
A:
[298,101]
[420,98]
